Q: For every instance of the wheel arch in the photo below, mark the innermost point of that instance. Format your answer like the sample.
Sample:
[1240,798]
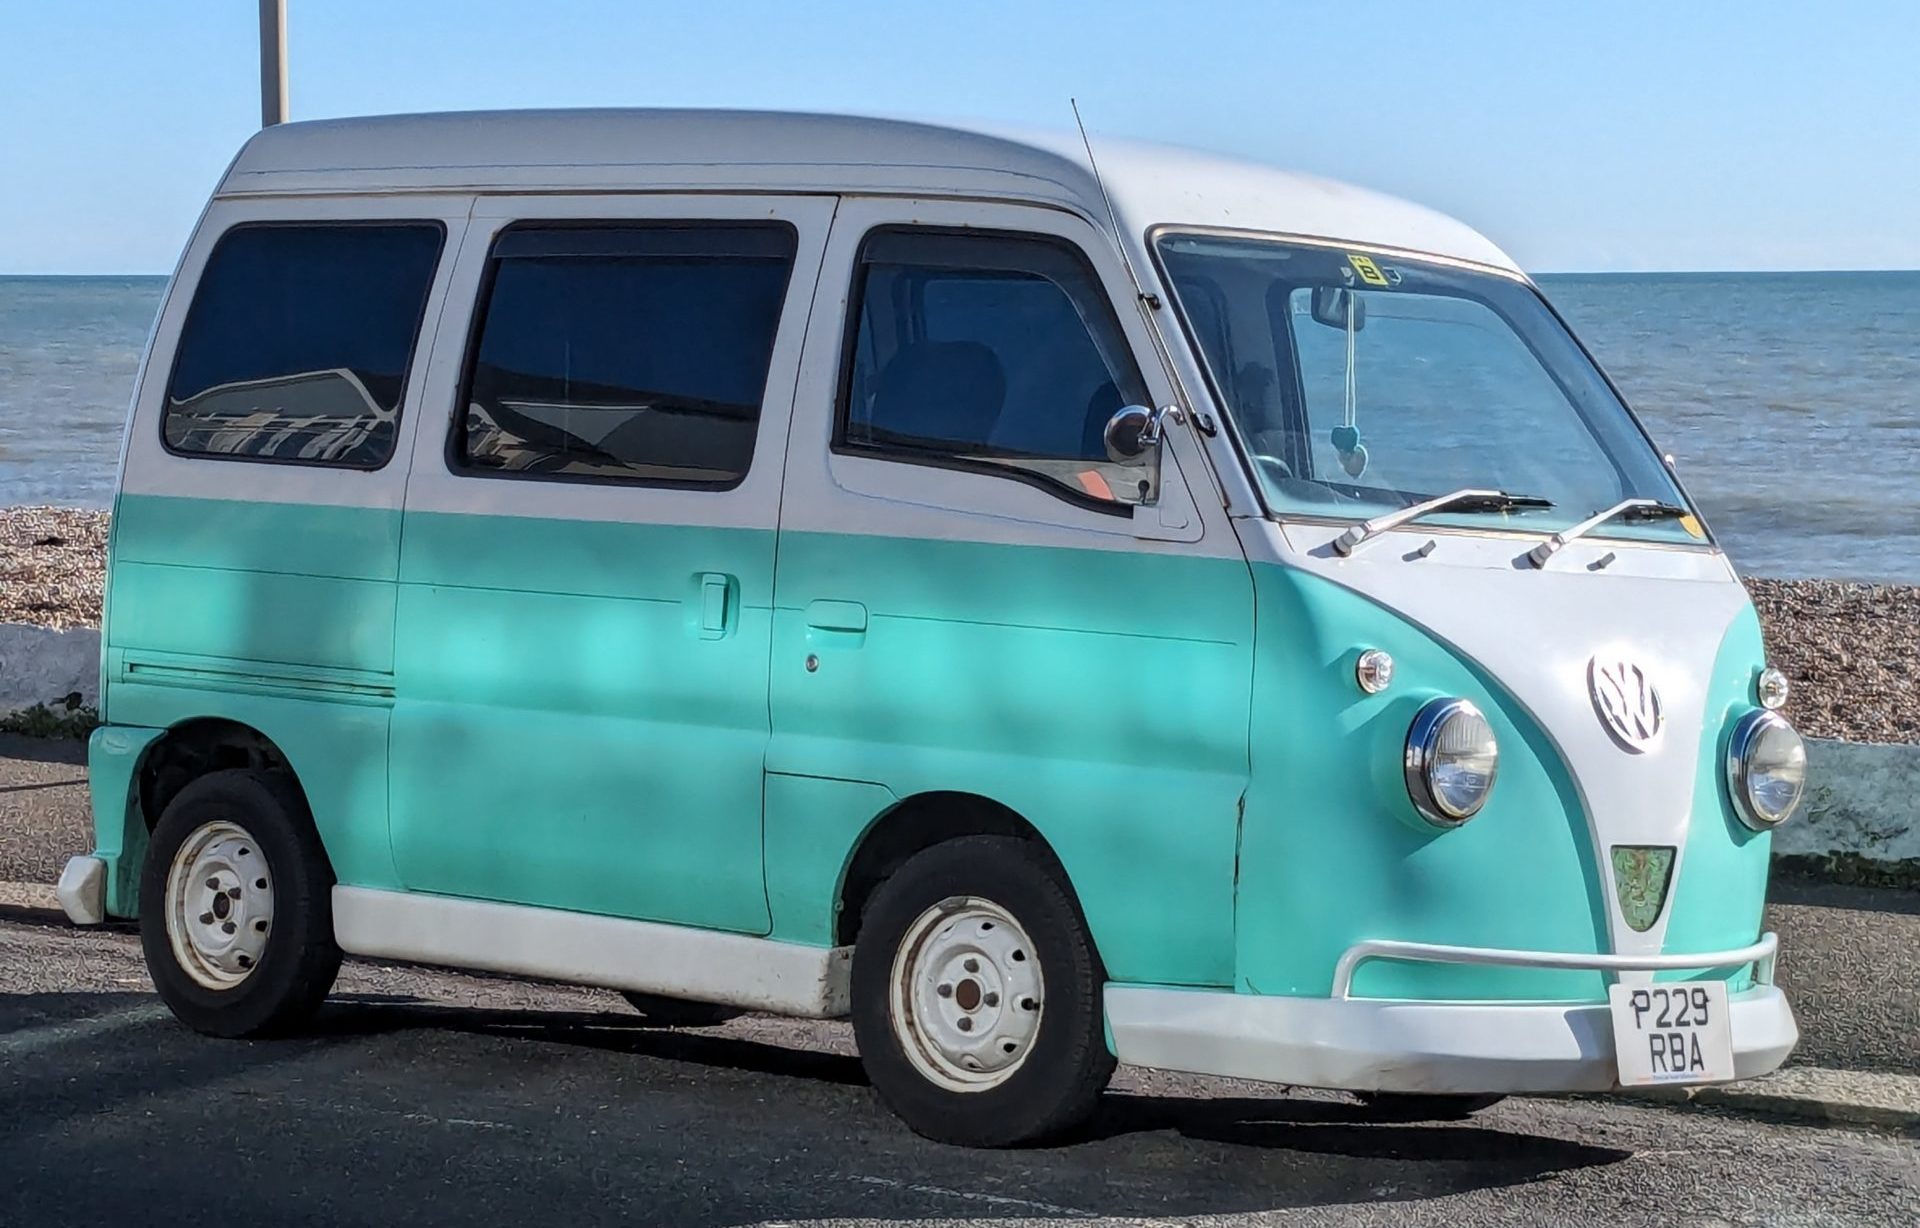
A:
[919,822]
[200,745]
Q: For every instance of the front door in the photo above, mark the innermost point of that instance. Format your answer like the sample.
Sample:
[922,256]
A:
[971,598]
[586,574]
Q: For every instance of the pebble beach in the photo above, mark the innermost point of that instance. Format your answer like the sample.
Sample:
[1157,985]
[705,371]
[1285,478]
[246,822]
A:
[1852,650]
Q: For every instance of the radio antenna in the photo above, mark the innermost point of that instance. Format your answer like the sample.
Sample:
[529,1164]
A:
[1150,303]
[1113,216]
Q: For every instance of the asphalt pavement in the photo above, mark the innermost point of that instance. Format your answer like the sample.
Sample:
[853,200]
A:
[423,1098]
[44,817]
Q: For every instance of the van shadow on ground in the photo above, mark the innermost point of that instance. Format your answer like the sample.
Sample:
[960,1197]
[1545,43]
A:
[434,1114]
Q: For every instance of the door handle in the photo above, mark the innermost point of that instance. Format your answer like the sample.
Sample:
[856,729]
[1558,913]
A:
[716,591]
[836,615]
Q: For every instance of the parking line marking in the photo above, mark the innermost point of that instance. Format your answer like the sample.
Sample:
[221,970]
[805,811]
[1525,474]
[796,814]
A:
[996,1200]
[33,1040]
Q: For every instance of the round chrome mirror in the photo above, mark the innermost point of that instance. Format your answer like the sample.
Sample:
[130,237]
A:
[1130,432]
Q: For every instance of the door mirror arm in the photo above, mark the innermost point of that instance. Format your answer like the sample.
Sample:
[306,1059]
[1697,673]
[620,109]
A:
[1136,430]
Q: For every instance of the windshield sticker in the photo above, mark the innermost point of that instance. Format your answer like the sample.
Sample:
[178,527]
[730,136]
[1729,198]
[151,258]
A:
[1693,527]
[1366,270]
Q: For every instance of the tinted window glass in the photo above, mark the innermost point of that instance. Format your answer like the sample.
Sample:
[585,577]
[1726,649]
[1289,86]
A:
[1361,384]
[990,350]
[625,352]
[297,344]
[1448,373]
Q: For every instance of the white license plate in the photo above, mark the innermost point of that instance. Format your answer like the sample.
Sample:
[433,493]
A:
[1672,1032]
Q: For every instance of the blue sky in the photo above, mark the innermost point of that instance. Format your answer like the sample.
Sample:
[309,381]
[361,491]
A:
[1624,136]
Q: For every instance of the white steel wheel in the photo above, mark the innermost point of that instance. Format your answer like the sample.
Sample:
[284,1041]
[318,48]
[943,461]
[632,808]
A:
[967,996]
[219,905]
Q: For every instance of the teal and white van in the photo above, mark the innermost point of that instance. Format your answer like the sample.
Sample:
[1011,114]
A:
[1211,619]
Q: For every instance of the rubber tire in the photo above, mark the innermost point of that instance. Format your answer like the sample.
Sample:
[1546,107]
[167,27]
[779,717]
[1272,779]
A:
[1415,1106]
[1059,1085]
[680,1012]
[301,959]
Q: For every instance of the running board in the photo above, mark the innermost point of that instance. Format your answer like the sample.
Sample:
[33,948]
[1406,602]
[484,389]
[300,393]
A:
[756,974]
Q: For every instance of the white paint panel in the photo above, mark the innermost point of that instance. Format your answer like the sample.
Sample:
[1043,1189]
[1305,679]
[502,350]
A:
[1406,1046]
[758,974]
[82,890]
[691,150]
[1535,631]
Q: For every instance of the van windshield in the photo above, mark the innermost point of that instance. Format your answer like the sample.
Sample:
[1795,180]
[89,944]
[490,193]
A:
[1363,383]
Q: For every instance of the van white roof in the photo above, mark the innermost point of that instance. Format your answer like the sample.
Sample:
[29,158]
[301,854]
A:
[694,150]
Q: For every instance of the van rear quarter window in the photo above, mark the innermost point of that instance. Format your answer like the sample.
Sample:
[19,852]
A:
[297,344]
[624,353]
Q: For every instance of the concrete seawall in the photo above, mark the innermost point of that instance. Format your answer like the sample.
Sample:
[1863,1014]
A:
[39,665]
[1862,819]
[1862,816]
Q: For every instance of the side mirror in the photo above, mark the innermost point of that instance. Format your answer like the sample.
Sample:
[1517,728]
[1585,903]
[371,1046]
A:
[1331,305]
[1131,433]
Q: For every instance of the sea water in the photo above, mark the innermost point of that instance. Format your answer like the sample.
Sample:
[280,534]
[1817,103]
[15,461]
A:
[1791,401]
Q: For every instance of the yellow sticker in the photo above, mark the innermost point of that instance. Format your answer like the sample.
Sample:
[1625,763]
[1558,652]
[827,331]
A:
[1694,527]
[1367,270]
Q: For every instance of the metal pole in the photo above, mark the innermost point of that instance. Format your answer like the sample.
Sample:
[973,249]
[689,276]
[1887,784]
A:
[273,62]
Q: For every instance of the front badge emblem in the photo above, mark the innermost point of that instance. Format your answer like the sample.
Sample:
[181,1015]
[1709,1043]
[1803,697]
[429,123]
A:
[1641,875]
[1627,701]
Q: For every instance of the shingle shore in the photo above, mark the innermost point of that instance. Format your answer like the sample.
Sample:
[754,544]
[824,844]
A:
[1852,650]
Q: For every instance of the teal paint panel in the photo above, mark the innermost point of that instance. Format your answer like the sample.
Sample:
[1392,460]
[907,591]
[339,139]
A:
[568,732]
[114,753]
[588,558]
[1102,695]
[1720,886]
[291,583]
[813,826]
[266,614]
[252,616]
[352,543]
[1333,853]
[337,750]
[1139,594]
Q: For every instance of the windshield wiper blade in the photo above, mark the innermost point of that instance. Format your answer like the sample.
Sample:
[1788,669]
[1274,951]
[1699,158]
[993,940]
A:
[1469,500]
[1626,509]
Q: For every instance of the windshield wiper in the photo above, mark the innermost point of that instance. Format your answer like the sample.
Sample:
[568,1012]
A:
[1468,500]
[1626,509]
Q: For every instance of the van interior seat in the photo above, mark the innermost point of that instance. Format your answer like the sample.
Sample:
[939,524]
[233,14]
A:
[952,391]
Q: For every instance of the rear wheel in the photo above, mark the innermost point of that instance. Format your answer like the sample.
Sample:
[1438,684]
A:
[236,910]
[976,996]
[679,1012]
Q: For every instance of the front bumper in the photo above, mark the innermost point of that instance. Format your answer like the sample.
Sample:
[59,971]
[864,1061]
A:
[1364,1044]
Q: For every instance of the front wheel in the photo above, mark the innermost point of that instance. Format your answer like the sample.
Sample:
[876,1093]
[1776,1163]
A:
[976,996]
[236,909]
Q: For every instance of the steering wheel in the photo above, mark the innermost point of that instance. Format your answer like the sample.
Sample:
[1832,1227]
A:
[1274,462]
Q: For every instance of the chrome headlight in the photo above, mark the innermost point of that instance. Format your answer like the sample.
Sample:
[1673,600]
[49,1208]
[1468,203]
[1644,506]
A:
[1766,769]
[1451,761]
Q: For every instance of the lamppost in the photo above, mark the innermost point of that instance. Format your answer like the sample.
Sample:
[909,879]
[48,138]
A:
[273,62]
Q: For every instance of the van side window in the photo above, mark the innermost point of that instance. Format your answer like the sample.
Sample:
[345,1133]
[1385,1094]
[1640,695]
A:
[624,352]
[991,351]
[297,343]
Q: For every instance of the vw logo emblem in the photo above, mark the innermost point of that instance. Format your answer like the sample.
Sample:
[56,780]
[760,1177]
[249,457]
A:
[1627,701]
